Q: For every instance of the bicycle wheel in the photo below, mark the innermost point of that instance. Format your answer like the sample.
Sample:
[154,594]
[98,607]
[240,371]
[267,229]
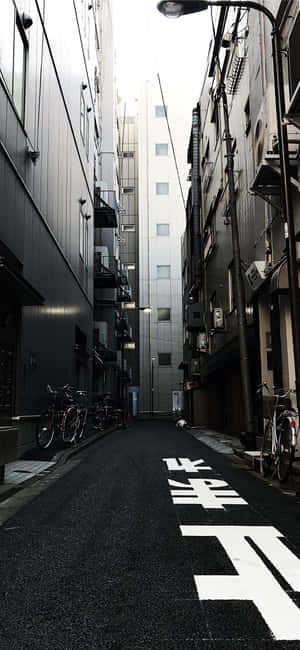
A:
[265,461]
[45,430]
[81,424]
[69,424]
[286,448]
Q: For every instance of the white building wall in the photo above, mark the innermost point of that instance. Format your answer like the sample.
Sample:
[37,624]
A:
[160,337]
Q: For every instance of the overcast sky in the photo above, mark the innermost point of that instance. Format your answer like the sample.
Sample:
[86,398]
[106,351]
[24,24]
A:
[147,43]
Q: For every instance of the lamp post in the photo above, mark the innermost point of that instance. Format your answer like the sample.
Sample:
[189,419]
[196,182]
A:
[152,386]
[184,7]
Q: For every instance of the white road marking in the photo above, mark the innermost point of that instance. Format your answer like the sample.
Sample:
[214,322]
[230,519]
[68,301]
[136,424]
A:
[203,492]
[254,581]
[186,465]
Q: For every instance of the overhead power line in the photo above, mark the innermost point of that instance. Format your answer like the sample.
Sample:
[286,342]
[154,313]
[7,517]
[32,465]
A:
[171,139]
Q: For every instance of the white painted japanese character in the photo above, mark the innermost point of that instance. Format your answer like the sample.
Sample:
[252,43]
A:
[254,580]
[186,465]
[205,492]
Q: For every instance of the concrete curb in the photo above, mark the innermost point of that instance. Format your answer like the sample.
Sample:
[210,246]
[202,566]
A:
[63,456]
[60,458]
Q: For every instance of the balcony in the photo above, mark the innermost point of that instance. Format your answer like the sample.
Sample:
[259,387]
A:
[105,272]
[105,209]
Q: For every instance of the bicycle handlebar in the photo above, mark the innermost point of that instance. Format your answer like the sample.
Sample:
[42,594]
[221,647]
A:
[272,392]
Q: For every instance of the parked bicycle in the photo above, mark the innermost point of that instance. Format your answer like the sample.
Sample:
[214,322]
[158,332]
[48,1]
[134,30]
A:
[106,415]
[65,417]
[280,437]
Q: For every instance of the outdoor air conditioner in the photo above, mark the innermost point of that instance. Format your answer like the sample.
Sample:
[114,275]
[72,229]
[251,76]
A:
[255,274]
[218,318]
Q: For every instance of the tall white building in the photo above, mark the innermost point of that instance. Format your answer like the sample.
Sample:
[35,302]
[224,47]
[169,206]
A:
[161,224]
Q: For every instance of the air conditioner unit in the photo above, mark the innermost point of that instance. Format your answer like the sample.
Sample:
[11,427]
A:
[218,318]
[255,274]
[195,366]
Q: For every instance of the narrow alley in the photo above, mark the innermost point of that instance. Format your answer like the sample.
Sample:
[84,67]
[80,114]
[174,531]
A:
[130,549]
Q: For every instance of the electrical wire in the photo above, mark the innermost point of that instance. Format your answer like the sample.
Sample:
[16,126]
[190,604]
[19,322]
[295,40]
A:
[171,139]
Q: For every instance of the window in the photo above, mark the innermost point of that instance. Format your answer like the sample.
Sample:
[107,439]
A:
[164,359]
[129,346]
[128,227]
[163,229]
[163,313]
[83,237]
[161,149]
[247,116]
[128,154]
[160,111]
[215,118]
[163,272]
[87,136]
[7,42]
[128,190]
[81,233]
[13,54]
[82,115]
[162,188]
[19,69]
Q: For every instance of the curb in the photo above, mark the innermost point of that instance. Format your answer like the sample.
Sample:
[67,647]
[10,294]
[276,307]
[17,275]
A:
[252,461]
[60,458]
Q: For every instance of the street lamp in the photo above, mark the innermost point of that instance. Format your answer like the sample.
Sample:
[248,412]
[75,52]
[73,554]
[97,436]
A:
[152,386]
[177,9]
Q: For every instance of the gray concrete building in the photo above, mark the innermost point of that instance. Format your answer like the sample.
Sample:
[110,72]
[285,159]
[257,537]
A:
[211,351]
[50,126]
[161,218]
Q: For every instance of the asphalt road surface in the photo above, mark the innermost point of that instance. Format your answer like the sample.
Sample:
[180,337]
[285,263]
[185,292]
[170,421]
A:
[153,541]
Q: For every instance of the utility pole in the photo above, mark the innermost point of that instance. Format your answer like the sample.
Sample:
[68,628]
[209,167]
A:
[237,270]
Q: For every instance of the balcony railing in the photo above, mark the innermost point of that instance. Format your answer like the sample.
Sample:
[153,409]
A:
[105,209]
[105,272]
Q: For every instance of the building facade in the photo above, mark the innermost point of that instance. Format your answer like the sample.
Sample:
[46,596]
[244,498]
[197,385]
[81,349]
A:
[129,250]
[47,188]
[161,218]
[211,343]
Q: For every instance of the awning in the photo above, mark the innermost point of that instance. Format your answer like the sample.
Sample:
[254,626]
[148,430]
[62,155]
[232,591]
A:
[15,290]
